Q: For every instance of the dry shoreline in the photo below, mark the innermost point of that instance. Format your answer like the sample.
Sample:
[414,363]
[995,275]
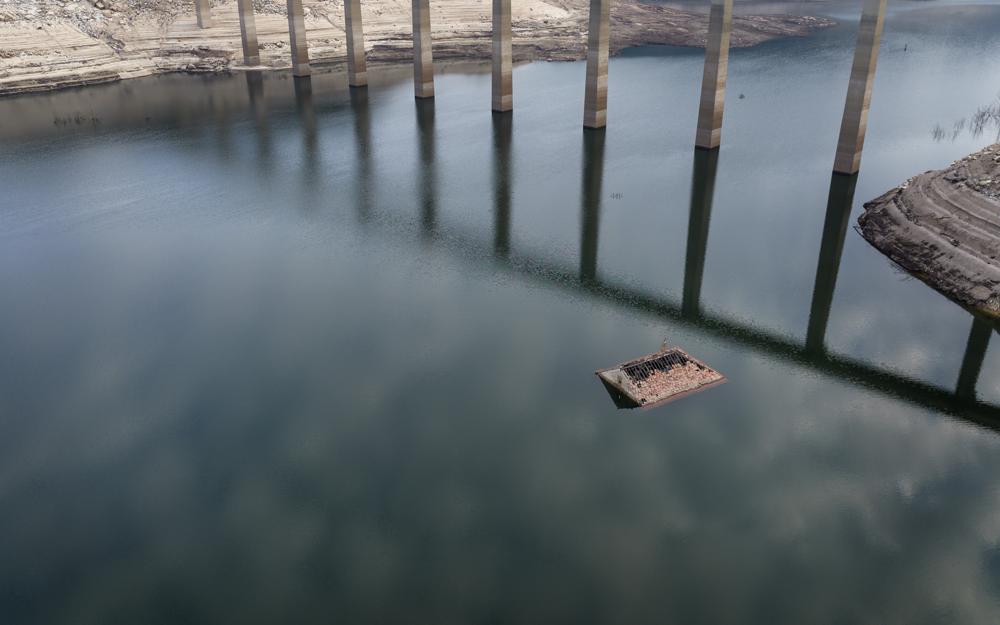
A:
[944,228]
[67,43]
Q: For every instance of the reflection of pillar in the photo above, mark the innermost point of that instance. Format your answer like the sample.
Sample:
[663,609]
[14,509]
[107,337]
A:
[362,136]
[423,60]
[972,363]
[713,81]
[838,213]
[307,115]
[297,36]
[258,107]
[595,108]
[502,127]
[859,92]
[248,32]
[425,126]
[593,178]
[203,13]
[503,88]
[706,163]
[357,73]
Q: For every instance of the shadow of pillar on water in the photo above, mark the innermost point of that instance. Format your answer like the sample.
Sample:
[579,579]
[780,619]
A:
[706,164]
[307,117]
[838,214]
[593,180]
[975,353]
[428,180]
[362,138]
[502,130]
[258,109]
[222,125]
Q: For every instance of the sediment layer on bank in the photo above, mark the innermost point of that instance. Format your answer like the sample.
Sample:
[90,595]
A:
[63,43]
[944,227]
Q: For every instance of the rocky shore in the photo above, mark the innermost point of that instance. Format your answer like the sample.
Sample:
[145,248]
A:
[944,227]
[49,44]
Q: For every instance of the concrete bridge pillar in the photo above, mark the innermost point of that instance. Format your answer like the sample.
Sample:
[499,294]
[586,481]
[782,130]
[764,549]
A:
[423,60]
[297,35]
[713,82]
[357,72]
[203,13]
[248,32]
[595,109]
[503,88]
[859,92]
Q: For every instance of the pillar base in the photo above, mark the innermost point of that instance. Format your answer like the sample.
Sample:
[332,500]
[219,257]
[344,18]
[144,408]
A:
[595,120]
[504,105]
[709,140]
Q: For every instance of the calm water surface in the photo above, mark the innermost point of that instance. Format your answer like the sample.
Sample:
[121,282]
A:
[274,352]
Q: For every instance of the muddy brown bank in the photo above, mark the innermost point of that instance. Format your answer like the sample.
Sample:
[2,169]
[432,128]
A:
[944,228]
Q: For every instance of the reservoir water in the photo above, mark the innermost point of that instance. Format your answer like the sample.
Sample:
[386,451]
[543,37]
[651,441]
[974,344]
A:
[281,352]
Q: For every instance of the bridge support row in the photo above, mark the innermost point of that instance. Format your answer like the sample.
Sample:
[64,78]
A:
[713,89]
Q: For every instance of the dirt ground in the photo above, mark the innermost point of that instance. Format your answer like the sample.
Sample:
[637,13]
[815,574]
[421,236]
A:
[49,44]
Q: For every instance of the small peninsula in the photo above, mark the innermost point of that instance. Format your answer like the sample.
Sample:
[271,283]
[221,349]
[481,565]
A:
[944,228]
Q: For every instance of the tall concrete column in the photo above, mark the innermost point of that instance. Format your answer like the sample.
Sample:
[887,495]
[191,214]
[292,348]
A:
[713,81]
[859,92]
[706,163]
[357,70]
[203,13]
[590,227]
[248,32]
[297,35]
[595,106]
[423,60]
[838,214]
[503,87]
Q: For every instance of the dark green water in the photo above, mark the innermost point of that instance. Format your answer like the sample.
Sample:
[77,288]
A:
[273,357]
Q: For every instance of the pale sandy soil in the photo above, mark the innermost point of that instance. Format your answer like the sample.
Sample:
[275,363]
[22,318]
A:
[49,44]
